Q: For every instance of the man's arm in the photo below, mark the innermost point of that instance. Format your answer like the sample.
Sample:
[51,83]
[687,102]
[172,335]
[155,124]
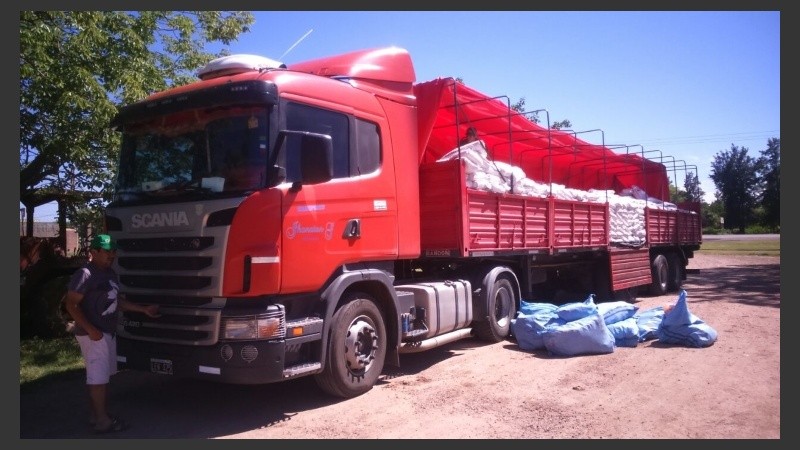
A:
[125,305]
[73,302]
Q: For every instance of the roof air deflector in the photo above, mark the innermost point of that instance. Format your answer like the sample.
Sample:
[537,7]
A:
[235,64]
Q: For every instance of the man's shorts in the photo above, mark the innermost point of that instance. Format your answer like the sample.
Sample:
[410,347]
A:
[100,358]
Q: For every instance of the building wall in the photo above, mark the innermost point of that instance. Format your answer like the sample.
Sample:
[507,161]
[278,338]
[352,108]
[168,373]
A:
[49,230]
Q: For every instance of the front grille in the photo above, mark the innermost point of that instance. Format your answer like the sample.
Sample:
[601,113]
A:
[171,244]
[179,267]
[183,336]
[164,262]
[170,319]
[164,282]
[192,326]
[178,300]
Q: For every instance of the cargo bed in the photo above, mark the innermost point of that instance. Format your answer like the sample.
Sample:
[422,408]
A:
[457,221]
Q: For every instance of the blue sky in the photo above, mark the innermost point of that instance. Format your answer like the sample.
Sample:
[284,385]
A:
[685,85]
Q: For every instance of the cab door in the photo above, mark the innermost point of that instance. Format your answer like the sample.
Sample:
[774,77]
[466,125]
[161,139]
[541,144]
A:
[340,206]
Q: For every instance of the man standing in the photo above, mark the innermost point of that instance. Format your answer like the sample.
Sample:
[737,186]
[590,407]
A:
[93,300]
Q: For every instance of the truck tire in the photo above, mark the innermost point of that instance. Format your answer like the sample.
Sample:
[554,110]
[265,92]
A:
[628,295]
[501,306]
[676,271]
[356,348]
[601,284]
[660,270]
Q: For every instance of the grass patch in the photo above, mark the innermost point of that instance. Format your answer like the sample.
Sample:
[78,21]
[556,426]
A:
[767,247]
[40,358]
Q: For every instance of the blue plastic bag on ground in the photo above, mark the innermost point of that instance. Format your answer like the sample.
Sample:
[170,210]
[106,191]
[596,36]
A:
[530,308]
[577,310]
[527,328]
[679,326]
[648,322]
[588,335]
[616,311]
[625,332]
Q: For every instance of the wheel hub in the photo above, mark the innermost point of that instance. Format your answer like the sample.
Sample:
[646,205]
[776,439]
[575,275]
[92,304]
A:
[502,306]
[360,345]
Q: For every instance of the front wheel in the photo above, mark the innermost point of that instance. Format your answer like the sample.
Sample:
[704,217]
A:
[356,348]
[501,307]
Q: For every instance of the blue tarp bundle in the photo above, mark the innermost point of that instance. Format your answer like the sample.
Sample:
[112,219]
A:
[585,336]
[648,322]
[571,329]
[587,328]
[679,326]
[625,332]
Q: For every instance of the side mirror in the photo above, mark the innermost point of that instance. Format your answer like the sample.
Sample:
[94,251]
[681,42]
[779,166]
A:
[314,158]
[276,175]
[316,151]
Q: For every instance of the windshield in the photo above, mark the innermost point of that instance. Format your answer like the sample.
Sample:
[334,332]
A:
[219,149]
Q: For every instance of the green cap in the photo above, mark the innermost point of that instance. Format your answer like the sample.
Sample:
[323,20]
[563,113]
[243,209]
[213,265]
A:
[103,241]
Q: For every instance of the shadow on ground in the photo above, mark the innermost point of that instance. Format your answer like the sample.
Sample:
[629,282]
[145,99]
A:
[165,407]
[757,285]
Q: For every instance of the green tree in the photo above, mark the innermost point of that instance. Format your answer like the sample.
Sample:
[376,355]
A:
[676,195]
[561,124]
[711,214]
[770,172]
[519,106]
[693,191]
[76,67]
[735,175]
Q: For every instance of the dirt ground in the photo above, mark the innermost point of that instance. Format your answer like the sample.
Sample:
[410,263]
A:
[470,389]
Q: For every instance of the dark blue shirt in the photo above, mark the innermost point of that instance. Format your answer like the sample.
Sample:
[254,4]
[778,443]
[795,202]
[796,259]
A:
[100,288]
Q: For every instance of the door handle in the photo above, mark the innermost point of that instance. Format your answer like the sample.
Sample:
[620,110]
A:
[352,229]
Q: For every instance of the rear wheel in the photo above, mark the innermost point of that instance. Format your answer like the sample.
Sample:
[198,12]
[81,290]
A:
[356,349]
[660,271]
[602,284]
[676,272]
[629,295]
[501,307]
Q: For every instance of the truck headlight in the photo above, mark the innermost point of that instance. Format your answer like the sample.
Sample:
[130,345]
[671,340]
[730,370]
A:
[262,326]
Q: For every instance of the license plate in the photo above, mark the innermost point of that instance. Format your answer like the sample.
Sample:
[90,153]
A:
[162,366]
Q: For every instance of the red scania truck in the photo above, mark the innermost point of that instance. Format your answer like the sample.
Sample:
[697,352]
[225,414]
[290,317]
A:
[322,219]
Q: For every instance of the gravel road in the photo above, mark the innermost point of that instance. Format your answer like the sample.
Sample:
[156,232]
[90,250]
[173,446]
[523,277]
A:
[471,389]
